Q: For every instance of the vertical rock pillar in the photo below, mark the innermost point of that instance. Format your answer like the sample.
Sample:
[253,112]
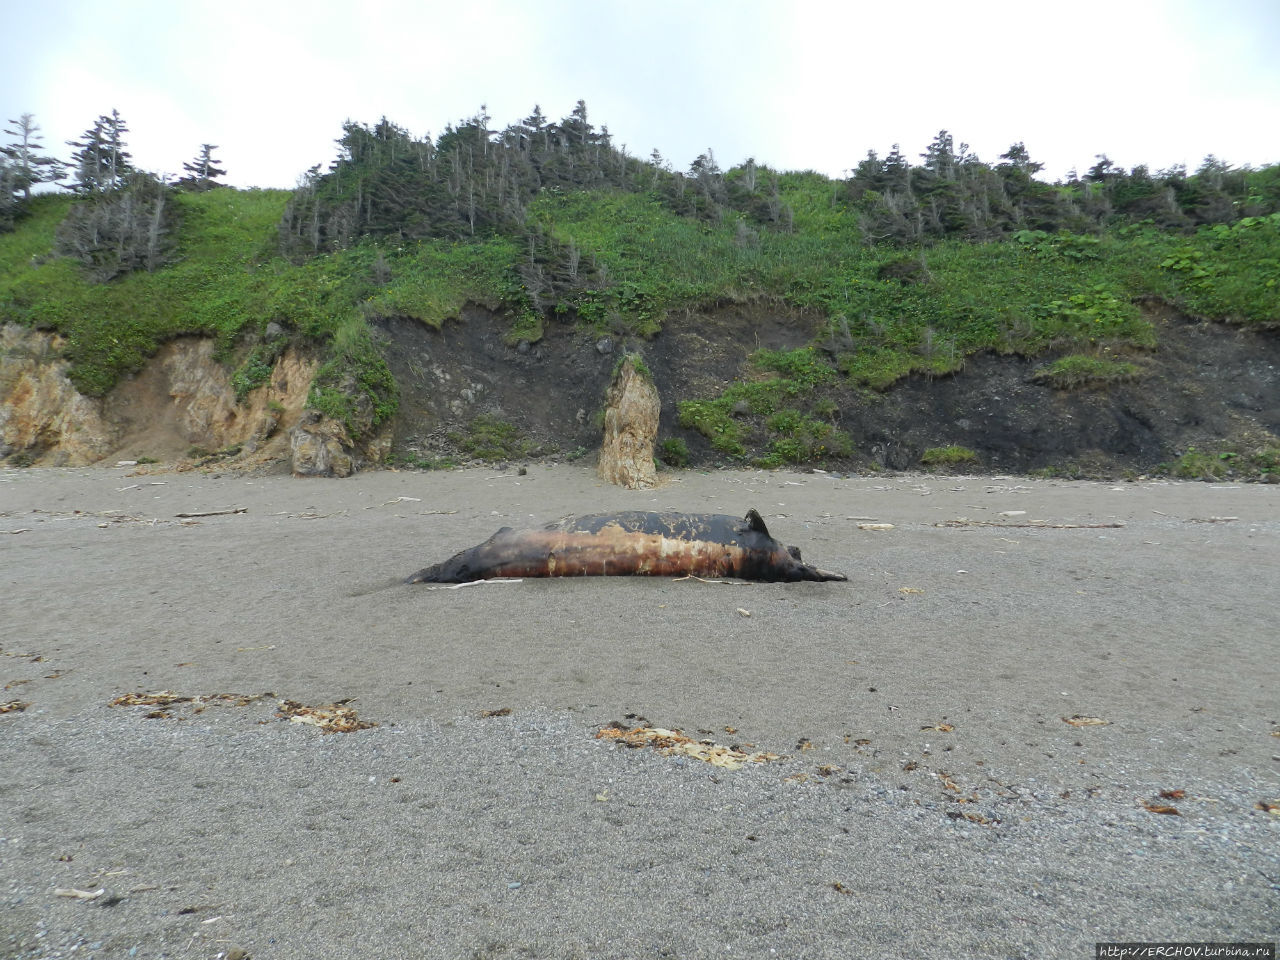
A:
[630,427]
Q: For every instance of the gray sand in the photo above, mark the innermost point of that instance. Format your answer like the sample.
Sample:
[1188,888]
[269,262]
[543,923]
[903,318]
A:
[442,833]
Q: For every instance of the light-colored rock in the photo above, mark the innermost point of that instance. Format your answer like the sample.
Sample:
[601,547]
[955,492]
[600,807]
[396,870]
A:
[42,415]
[181,399]
[630,429]
[320,447]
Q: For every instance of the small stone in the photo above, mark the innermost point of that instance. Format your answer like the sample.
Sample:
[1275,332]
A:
[605,345]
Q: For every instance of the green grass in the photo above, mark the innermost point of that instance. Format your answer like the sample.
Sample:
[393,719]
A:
[229,283]
[674,452]
[431,280]
[491,438]
[714,420]
[1197,464]
[949,456]
[216,288]
[796,438]
[1230,272]
[1079,370]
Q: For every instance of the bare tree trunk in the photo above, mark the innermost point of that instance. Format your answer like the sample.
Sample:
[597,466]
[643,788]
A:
[155,232]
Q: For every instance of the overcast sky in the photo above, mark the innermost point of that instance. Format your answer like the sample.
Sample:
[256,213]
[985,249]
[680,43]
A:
[808,84]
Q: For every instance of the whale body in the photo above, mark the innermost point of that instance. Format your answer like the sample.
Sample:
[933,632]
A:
[632,543]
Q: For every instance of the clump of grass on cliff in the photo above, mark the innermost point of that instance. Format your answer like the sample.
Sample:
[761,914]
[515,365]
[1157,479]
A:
[952,455]
[1080,370]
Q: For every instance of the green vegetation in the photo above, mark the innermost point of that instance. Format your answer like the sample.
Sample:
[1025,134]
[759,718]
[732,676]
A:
[1079,370]
[637,363]
[228,282]
[796,438]
[712,419]
[218,287]
[1196,464]
[674,452]
[949,456]
[912,267]
[490,438]
[415,461]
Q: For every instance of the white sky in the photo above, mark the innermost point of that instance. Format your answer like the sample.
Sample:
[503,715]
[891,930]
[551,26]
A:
[808,84]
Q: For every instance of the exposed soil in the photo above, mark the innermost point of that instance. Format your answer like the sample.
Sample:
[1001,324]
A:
[1207,386]
[553,391]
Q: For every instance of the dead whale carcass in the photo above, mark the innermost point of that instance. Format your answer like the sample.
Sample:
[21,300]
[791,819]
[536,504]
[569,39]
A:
[632,543]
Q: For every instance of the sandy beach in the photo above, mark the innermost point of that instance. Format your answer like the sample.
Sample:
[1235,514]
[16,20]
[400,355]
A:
[1039,714]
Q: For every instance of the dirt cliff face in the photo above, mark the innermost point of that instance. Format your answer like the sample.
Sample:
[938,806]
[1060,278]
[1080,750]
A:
[43,418]
[1206,389]
[1207,386]
[553,391]
[183,404]
[180,406]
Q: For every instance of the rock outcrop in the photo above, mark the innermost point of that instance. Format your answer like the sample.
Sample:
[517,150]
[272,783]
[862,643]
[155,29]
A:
[43,418]
[631,414]
[320,447]
[180,405]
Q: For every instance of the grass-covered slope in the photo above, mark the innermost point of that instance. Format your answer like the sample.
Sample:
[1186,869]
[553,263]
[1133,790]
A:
[228,281]
[629,261]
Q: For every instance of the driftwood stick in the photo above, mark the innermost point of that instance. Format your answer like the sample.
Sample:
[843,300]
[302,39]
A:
[1029,526]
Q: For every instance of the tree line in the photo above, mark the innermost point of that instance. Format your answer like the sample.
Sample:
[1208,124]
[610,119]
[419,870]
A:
[475,179]
[953,193]
[123,219]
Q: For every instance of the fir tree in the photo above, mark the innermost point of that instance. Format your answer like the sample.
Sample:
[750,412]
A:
[28,167]
[203,171]
[100,159]
[8,193]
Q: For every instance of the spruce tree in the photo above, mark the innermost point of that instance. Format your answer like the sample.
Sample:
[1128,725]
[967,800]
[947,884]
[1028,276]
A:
[8,193]
[203,171]
[27,166]
[100,159]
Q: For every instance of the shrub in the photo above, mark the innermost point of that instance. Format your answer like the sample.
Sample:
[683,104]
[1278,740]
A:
[1200,465]
[674,452]
[491,438]
[949,456]
[129,228]
[712,419]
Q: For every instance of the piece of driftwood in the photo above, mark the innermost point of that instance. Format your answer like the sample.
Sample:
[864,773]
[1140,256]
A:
[962,522]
